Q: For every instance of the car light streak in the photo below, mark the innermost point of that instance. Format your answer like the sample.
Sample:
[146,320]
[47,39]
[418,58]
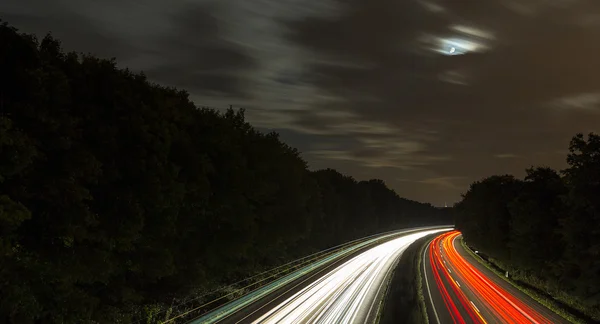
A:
[441,273]
[347,293]
[238,304]
[498,303]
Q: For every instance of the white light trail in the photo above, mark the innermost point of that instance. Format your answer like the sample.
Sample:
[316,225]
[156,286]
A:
[347,293]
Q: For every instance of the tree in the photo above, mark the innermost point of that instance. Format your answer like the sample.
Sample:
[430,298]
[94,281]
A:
[484,217]
[546,226]
[581,226]
[535,243]
[117,193]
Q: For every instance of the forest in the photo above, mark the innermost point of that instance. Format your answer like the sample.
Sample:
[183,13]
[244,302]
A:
[545,228]
[116,192]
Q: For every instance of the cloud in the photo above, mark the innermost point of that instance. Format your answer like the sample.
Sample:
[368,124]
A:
[176,43]
[445,182]
[197,56]
[374,88]
[87,36]
[584,101]
[517,57]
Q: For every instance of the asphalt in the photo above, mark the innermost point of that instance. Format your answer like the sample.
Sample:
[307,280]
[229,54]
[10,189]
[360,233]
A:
[261,306]
[438,310]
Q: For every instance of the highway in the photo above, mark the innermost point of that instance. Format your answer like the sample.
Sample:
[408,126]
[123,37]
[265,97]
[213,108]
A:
[346,288]
[458,289]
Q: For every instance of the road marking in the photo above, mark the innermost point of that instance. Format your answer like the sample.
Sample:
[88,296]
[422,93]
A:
[427,283]
[477,309]
[457,283]
[496,290]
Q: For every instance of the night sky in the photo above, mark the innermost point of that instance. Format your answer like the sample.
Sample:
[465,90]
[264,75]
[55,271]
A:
[426,95]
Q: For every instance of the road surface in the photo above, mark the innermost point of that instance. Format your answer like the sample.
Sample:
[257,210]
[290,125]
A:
[347,289]
[458,289]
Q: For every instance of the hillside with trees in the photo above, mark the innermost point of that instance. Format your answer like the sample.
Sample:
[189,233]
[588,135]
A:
[117,193]
[545,229]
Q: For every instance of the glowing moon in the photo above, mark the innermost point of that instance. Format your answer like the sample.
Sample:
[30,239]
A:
[452,50]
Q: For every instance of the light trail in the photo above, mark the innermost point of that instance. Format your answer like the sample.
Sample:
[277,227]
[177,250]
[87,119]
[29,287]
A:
[254,304]
[348,293]
[499,305]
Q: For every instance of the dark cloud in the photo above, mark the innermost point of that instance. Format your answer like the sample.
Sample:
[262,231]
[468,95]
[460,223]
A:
[195,55]
[373,88]
[180,44]
[536,54]
[72,30]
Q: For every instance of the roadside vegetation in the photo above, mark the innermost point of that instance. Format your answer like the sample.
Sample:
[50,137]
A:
[541,297]
[404,300]
[120,198]
[544,229]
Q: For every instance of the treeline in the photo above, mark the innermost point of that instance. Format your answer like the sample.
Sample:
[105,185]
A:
[545,227]
[116,192]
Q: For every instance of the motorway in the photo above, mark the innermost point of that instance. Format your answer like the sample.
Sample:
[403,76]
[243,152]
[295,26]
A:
[346,288]
[459,289]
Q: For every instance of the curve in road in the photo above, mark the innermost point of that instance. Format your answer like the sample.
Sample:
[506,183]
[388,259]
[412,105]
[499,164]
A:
[346,293]
[461,290]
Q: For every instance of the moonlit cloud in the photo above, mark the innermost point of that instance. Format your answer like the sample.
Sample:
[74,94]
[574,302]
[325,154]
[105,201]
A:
[472,31]
[432,6]
[584,101]
[457,46]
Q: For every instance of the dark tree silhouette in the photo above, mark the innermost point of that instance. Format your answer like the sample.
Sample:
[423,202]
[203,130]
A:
[546,228]
[483,213]
[581,224]
[117,193]
[535,242]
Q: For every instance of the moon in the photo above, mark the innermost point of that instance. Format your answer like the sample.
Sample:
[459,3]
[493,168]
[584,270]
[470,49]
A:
[452,50]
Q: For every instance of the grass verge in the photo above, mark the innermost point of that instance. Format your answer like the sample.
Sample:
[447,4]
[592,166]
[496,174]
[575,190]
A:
[541,298]
[420,296]
[404,301]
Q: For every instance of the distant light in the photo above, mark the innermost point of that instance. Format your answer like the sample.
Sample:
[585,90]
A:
[452,50]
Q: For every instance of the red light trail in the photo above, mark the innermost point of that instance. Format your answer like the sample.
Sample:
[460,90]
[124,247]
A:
[455,276]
